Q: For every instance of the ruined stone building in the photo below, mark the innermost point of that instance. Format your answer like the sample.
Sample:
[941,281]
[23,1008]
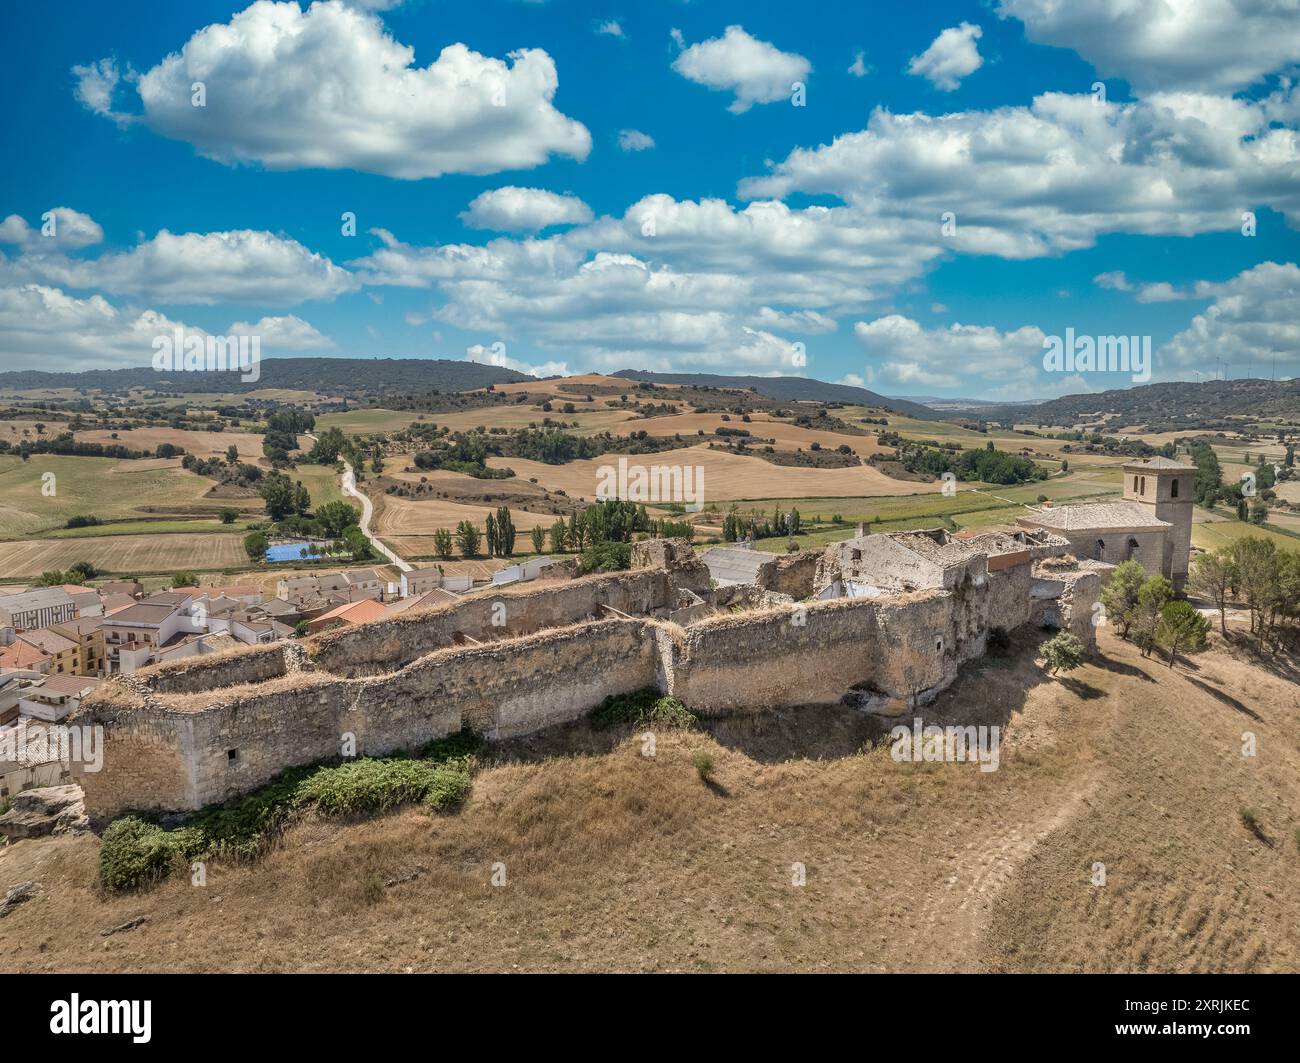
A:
[881,621]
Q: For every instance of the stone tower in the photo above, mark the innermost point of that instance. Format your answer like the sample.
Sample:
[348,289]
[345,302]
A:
[1165,485]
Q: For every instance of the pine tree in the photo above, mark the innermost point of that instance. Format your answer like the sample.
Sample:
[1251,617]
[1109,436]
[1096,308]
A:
[1182,629]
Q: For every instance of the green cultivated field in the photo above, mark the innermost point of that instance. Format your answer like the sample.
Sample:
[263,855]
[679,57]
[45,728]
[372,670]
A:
[321,480]
[102,487]
[1212,535]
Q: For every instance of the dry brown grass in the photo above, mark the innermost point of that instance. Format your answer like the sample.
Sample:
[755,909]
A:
[125,553]
[202,444]
[406,517]
[761,426]
[727,477]
[615,861]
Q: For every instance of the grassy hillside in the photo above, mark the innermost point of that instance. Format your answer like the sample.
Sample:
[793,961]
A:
[617,861]
[786,388]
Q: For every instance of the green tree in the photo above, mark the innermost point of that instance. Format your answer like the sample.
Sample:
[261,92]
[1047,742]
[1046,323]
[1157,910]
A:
[468,539]
[278,494]
[605,556]
[442,543]
[1063,652]
[1182,630]
[329,444]
[1120,595]
[232,454]
[1213,577]
[539,539]
[506,533]
[493,547]
[559,535]
[336,517]
[1258,570]
[1264,476]
[1153,596]
[228,515]
[1209,477]
[354,539]
[184,579]
[255,546]
[81,571]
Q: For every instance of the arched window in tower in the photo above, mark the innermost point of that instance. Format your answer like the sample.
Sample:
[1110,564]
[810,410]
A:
[1173,488]
[1143,489]
[1130,548]
[1099,551]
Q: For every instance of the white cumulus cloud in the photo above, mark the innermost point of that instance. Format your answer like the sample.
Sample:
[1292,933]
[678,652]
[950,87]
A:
[513,209]
[1197,45]
[756,71]
[243,265]
[59,229]
[330,88]
[66,333]
[952,56]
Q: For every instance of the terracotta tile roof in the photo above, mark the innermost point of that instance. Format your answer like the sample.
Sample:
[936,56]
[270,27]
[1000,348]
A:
[20,654]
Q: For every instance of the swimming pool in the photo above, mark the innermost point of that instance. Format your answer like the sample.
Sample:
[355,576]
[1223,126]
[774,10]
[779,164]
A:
[289,552]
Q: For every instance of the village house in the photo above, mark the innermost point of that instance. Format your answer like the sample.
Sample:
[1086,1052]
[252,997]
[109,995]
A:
[55,697]
[22,655]
[64,653]
[88,633]
[346,615]
[350,585]
[37,608]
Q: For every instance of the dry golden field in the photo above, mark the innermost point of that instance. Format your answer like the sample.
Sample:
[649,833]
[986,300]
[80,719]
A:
[403,517]
[726,476]
[123,554]
[616,861]
[201,444]
[761,426]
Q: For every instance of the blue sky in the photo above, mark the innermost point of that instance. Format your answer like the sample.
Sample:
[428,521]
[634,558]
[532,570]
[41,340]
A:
[784,211]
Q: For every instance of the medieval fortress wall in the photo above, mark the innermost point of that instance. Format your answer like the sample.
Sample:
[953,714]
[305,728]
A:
[185,735]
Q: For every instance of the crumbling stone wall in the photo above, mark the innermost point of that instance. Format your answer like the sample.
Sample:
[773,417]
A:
[185,751]
[183,735]
[1009,596]
[791,574]
[380,646]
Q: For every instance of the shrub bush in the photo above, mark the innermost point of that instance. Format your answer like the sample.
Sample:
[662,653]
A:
[640,707]
[135,852]
[703,764]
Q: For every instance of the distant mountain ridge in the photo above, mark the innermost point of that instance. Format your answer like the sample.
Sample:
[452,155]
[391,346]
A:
[788,388]
[349,376]
[1166,406]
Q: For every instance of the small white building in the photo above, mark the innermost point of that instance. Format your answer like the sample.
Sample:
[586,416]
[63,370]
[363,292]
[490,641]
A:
[56,697]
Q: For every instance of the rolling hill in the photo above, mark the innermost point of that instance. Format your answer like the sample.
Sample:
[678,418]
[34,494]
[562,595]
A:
[1165,407]
[350,376]
[787,388]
